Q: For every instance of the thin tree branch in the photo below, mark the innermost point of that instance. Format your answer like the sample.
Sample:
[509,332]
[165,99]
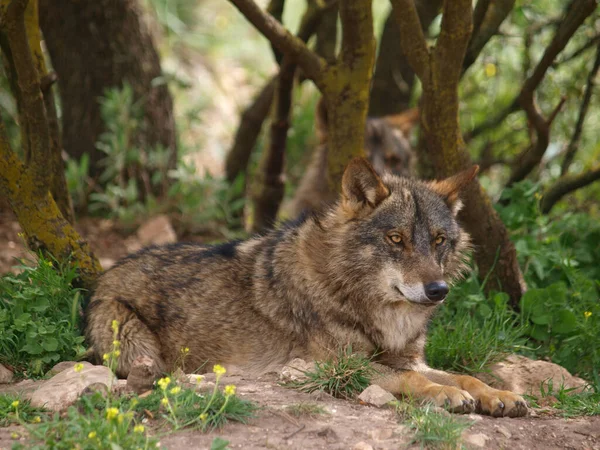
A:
[275,8]
[587,96]
[312,65]
[577,53]
[479,14]
[412,36]
[565,185]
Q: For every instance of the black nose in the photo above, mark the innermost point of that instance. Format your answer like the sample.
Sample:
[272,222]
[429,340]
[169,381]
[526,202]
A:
[436,291]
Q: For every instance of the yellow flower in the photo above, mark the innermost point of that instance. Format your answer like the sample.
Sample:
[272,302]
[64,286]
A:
[164,382]
[91,435]
[49,263]
[15,403]
[117,353]
[138,429]
[105,357]
[175,390]
[121,418]
[21,235]
[37,419]
[134,402]
[116,343]
[78,367]
[165,401]
[15,436]
[587,314]
[203,417]
[185,350]
[537,195]
[111,413]
[219,369]
[115,325]
[229,390]
[490,70]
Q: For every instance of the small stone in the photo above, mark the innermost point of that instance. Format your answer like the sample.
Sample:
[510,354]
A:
[376,396]
[142,374]
[381,434]
[328,433]
[362,446]
[120,387]
[503,431]
[476,440]
[95,387]
[474,417]
[64,388]
[6,375]
[295,370]
[157,231]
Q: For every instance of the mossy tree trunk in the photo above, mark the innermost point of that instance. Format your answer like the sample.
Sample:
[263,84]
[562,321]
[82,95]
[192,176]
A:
[344,82]
[439,70]
[28,185]
[96,45]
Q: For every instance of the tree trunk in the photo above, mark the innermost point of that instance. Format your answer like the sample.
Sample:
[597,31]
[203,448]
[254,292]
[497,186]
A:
[96,45]
[394,78]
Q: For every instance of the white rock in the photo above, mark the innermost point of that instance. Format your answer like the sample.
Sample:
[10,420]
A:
[63,389]
[294,370]
[476,440]
[362,446]
[376,396]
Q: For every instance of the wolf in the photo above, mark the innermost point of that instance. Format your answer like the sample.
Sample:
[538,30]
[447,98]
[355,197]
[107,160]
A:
[370,271]
[386,145]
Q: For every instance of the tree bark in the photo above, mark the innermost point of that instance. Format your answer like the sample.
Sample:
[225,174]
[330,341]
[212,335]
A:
[98,45]
[394,78]
[439,70]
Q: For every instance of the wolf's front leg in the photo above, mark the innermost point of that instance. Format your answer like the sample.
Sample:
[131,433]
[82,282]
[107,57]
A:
[412,384]
[493,402]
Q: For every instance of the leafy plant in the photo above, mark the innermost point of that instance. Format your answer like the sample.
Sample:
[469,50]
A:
[568,402]
[39,317]
[14,409]
[343,377]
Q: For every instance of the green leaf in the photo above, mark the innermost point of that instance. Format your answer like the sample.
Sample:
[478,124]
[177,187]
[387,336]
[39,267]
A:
[219,444]
[565,322]
[50,344]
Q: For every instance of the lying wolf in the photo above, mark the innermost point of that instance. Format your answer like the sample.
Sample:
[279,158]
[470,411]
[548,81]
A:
[369,272]
[386,146]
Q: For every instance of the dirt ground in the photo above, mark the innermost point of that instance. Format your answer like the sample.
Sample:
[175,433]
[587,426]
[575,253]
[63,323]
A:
[345,425]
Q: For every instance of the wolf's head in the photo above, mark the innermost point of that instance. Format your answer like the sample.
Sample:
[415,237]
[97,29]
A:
[401,237]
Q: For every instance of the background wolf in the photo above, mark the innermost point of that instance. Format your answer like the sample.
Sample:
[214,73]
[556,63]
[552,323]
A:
[368,272]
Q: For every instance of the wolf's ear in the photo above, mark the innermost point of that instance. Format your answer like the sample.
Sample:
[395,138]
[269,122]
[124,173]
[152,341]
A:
[449,188]
[362,189]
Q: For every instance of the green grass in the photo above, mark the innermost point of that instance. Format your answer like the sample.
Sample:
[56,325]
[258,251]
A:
[14,409]
[39,318]
[432,430]
[305,410]
[343,377]
[567,402]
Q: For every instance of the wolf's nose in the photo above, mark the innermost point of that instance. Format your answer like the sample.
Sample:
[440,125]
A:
[436,291]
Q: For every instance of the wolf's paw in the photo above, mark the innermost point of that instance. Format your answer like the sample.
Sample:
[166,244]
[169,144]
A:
[502,404]
[453,399]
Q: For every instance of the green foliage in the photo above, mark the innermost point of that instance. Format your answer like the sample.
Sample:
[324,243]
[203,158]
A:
[38,317]
[343,377]
[94,424]
[14,409]
[471,331]
[561,260]
[432,429]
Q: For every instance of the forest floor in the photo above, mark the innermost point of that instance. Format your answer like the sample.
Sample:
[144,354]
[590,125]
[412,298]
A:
[341,424]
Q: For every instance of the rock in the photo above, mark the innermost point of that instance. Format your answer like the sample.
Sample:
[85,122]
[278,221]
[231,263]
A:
[376,396]
[120,387]
[157,231]
[476,440]
[96,387]
[362,446]
[63,389]
[294,370]
[64,365]
[329,434]
[525,376]
[381,434]
[106,263]
[503,431]
[142,374]
[6,375]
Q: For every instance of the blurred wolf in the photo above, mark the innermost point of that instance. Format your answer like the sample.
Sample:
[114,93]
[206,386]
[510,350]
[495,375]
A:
[386,146]
[368,272]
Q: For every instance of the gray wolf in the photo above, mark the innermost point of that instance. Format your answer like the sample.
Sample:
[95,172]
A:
[370,271]
[386,146]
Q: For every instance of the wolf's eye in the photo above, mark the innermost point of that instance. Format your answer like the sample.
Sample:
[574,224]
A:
[440,240]
[395,238]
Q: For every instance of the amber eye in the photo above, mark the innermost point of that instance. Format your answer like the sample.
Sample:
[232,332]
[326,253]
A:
[395,238]
[440,240]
